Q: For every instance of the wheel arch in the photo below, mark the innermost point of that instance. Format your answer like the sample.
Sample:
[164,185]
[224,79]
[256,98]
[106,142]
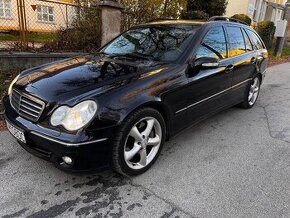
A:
[162,109]
[259,74]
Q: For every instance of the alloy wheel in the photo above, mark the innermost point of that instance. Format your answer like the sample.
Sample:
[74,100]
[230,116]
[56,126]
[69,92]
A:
[254,91]
[142,143]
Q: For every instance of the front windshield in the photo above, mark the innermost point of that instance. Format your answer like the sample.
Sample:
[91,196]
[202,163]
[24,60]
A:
[161,43]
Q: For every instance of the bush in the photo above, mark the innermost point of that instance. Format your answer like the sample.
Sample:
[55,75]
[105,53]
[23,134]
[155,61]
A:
[266,30]
[84,33]
[243,17]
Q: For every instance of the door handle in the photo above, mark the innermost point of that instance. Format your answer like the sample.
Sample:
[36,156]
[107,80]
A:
[229,68]
[253,60]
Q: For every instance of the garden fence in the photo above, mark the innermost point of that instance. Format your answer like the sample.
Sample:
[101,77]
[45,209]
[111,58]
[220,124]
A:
[45,25]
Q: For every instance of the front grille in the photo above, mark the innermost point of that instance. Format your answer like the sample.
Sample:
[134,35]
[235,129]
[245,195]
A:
[26,106]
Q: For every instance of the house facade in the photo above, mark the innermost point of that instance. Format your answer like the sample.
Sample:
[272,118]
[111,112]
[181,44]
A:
[258,10]
[40,15]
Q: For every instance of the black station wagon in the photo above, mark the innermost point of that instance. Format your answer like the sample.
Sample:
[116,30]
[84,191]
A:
[117,107]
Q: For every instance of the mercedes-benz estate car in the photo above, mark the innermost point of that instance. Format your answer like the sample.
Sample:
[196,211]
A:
[116,108]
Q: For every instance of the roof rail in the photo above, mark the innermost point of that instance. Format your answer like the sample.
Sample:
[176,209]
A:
[160,19]
[229,19]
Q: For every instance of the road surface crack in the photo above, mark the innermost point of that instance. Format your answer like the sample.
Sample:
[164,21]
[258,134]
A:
[173,205]
[269,126]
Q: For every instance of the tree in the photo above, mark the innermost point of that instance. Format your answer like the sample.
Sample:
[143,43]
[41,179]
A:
[173,8]
[201,9]
[141,11]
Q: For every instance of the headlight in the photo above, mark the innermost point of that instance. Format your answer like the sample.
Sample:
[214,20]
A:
[76,117]
[11,84]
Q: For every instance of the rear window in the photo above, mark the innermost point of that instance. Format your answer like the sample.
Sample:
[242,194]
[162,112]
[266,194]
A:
[257,43]
[236,41]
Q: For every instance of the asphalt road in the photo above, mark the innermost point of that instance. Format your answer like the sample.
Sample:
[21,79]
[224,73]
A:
[236,164]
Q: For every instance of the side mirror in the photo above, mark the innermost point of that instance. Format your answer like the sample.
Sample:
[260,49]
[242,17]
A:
[206,63]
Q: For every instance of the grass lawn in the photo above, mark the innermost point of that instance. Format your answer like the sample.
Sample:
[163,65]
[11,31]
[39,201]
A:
[280,60]
[285,52]
[8,37]
[41,37]
[31,37]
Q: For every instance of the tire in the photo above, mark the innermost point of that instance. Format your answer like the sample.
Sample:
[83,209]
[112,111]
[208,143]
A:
[252,93]
[134,140]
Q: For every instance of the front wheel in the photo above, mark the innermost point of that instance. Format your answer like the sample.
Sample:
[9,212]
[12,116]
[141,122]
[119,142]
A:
[138,142]
[252,93]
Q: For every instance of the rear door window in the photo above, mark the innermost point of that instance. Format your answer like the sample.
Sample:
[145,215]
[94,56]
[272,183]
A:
[248,43]
[214,44]
[255,40]
[236,41]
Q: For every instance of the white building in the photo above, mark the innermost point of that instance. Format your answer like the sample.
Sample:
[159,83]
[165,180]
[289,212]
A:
[40,15]
[258,10]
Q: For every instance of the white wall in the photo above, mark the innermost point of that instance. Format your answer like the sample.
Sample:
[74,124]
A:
[237,7]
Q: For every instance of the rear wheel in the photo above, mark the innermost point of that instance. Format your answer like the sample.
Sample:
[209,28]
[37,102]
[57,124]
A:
[138,142]
[252,93]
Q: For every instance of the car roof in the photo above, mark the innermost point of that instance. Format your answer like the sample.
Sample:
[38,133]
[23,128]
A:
[191,22]
[175,22]
[229,23]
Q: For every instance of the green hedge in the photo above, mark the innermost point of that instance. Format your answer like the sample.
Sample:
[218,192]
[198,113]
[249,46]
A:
[266,30]
[243,17]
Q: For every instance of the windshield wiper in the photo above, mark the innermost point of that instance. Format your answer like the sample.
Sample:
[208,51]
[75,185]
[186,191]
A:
[134,55]
[137,55]
[101,53]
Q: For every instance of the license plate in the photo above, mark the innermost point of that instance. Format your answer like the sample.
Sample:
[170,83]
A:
[18,134]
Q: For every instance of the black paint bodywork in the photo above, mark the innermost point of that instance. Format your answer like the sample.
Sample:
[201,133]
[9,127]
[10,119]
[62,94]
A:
[183,94]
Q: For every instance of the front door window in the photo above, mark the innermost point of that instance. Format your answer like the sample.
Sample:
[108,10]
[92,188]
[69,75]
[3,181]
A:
[213,45]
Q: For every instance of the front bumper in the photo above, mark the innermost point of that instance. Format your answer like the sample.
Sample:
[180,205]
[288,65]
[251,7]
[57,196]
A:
[88,152]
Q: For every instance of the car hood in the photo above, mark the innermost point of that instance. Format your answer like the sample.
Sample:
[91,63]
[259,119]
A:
[81,76]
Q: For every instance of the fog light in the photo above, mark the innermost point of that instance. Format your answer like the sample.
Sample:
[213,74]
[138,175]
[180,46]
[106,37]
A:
[67,160]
